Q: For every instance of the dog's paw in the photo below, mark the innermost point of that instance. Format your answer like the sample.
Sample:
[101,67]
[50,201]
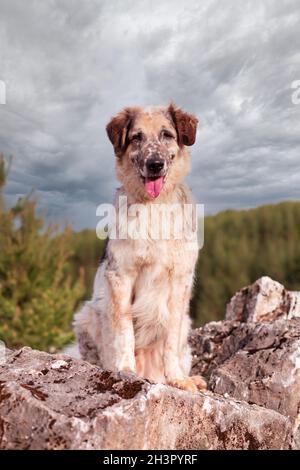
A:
[199,381]
[184,384]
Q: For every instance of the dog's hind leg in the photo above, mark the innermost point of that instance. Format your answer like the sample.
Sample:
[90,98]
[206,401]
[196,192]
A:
[86,327]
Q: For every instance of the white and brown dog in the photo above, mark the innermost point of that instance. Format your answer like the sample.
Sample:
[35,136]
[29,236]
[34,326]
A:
[138,318]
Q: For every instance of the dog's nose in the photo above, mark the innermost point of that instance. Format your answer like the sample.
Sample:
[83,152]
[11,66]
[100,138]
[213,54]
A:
[155,166]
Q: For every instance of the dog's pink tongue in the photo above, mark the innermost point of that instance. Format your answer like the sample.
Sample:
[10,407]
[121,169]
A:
[154,187]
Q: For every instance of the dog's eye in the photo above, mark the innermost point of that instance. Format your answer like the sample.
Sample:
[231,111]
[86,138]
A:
[167,135]
[137,137]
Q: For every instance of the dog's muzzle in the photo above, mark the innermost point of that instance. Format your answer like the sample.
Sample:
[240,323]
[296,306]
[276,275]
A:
[155,166]
[155,174]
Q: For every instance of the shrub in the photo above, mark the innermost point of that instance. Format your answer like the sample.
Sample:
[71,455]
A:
[38,296]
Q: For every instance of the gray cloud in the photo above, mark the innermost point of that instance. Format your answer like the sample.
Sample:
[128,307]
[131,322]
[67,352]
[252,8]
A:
[70,65]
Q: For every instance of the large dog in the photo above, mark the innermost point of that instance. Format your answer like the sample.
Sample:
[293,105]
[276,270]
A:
[138,318]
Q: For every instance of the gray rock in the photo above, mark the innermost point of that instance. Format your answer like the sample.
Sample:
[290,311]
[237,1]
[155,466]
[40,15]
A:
[254,355]
[258,363]
[55,402]
[265,300]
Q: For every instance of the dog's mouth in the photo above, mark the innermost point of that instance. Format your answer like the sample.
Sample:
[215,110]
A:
[153,185]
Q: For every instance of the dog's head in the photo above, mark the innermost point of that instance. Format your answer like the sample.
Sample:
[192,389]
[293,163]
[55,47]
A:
[150,148]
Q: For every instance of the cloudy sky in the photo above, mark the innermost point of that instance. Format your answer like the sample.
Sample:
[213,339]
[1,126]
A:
[70,65]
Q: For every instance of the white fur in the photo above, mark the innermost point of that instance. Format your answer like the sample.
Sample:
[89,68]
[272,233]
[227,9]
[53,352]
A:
[151,280]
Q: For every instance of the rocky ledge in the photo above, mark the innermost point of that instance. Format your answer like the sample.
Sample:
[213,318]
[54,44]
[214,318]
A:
[251,361]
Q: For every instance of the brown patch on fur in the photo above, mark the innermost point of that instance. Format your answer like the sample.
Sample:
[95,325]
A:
[199,381]
[166,273]
[184,384]
[120,299]
[118,127]
[186,125]
[114,286]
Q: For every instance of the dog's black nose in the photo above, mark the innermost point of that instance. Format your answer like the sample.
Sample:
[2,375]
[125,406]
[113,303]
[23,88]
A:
[155,166]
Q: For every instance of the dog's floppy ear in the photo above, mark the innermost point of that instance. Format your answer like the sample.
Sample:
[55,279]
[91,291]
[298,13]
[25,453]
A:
[117,129]
[185,124]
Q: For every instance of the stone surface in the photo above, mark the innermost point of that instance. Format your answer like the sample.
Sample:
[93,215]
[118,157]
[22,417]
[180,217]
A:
[251,361]
[255,362]
[254,355]
[78,406]
[265,300]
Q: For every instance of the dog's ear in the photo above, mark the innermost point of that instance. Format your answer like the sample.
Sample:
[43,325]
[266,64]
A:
[117,129]
[185,124]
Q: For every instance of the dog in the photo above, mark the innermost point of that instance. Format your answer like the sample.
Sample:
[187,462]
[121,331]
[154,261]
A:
[137,319]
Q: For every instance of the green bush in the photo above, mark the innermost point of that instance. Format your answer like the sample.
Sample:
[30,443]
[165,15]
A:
[38,295]
[241,246]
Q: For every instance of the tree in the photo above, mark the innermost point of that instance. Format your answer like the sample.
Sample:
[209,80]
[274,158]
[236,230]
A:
[240,247]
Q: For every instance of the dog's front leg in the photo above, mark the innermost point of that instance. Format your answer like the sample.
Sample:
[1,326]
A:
[121,355]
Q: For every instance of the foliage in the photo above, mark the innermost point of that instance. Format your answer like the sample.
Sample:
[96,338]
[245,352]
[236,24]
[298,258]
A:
[38,295]
[240,247]
[87,252]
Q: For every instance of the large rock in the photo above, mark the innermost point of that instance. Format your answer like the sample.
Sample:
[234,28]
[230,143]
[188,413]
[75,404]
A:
[255,355]
[251,361]
[265,300]
[55,402]
[254,362]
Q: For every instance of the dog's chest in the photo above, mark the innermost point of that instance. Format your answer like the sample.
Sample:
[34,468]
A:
[159,279]
[146,253]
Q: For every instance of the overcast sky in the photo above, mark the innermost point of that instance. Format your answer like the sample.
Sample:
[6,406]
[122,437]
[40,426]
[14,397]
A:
[69,65]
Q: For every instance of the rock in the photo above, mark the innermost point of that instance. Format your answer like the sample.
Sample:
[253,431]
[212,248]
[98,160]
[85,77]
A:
[60,364]
[265,300]
[255,356]
[258,363]
[214,343]
[79,406]
[251,361]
